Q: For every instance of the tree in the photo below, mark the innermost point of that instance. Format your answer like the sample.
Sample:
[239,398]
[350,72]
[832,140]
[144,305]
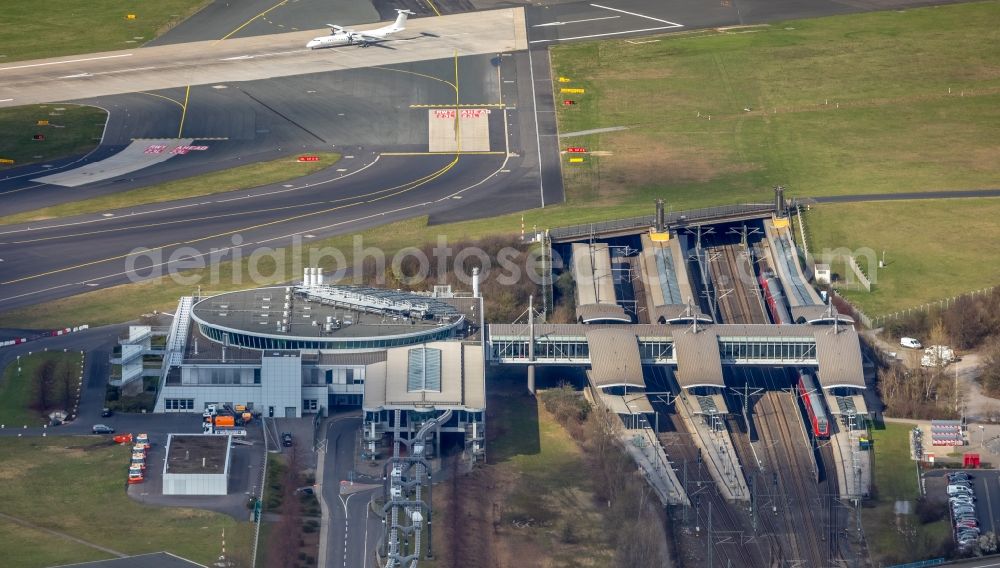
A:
[966,323]
[988,542]
[990,377]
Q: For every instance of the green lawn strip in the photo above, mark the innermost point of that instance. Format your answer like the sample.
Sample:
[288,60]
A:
[895,478]
[72,130]
[895,473]
[76,485]
[554,485]
[16,388]
[931,247]
[32,30]
[26,547]
[839,105]
[242,177]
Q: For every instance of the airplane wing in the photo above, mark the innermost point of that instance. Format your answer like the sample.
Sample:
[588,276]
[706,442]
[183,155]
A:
[336,28]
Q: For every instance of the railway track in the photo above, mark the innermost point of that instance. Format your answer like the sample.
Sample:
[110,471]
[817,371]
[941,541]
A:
[805,489]
[737,295]
[734,544]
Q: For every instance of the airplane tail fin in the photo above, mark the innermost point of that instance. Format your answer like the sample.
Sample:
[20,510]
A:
[401,20]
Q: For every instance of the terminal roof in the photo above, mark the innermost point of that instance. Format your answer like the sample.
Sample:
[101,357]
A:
[460,369]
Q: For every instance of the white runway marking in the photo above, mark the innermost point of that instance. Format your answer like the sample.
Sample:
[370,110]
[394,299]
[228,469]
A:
[635,14]
[67,61]
[670,25]
[675,26]
[5,100]
[575,21]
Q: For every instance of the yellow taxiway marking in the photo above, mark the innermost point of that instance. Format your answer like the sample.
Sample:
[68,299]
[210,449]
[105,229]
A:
[433,7]
[449,83]
[176,102]
[463,105]
[247,23]
[187,95]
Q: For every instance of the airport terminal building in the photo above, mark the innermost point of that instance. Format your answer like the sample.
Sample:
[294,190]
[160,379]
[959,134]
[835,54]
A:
[291,351]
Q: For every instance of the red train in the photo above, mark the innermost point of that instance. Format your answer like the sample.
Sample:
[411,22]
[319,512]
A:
[775,299]
[812,399]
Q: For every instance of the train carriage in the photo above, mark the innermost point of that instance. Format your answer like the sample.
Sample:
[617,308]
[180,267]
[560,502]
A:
[812,399]
[775,299]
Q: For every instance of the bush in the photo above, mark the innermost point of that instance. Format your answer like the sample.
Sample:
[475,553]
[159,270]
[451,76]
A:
[930,511]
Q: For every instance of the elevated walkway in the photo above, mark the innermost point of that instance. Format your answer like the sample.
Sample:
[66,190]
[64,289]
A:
[717,451]
[637,225]
[595,287]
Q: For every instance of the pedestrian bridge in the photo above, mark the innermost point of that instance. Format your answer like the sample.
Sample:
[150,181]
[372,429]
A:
[697,353]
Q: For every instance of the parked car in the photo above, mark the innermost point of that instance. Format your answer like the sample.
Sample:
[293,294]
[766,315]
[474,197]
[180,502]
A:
[102,429]
[105,412]
[286,439]
[910,342]
[959,490]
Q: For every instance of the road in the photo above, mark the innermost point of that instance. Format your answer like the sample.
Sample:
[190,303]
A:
[353,530]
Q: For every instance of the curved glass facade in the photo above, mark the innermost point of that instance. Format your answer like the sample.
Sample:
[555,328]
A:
[264,342]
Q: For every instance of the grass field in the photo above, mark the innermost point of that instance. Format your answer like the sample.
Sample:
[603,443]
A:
[840,105]
[243,177]
[34,30]
[892,540]
[934,249]
[72,130]
[76,486]
[16,388]
[28,547]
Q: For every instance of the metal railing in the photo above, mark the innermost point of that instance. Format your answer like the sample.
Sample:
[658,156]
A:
[646,221]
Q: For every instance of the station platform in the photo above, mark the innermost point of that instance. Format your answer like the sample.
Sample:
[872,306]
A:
[717,451]
[643,445]
[668,285]
[854,472]
[782,255]
[595,288]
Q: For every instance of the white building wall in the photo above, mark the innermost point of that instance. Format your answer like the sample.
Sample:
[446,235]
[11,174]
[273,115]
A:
[195,484]
[281,385]
[203,395]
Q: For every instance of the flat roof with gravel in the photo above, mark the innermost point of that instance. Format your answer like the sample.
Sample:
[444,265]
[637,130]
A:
[197,454]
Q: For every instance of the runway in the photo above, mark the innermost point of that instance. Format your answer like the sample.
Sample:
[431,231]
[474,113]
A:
[253,58]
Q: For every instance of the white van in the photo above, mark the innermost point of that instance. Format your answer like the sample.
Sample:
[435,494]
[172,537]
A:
[910,342]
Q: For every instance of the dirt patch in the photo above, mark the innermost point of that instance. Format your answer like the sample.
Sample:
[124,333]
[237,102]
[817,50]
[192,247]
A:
[637,160]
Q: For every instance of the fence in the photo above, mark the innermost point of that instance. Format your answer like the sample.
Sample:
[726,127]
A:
[877,321]
[862,277]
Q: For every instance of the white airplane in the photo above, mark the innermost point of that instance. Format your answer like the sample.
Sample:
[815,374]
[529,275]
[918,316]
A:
[342,36]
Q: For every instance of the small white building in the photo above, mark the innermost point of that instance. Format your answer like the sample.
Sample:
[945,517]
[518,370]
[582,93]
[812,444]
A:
[822,273]
[197,464]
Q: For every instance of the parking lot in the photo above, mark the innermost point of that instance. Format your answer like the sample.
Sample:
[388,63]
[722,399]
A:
[985,483]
